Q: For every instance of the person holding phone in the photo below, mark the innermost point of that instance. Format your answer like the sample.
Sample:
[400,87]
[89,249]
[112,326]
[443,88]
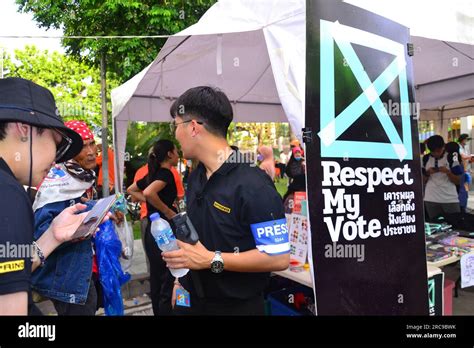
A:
[441,176]
[69,278]
[32,137]
[159,191]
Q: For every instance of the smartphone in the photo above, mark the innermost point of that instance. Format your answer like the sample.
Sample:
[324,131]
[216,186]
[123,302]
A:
[94,218]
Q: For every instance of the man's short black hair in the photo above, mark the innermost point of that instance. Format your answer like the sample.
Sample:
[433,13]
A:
[435,142]
[206,104]
[3,130]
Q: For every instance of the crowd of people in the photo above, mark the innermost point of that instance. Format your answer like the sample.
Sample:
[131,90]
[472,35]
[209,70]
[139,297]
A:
[233,205]
[38,150]
[223,207]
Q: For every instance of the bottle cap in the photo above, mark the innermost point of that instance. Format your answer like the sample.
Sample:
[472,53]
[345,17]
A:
[154,217]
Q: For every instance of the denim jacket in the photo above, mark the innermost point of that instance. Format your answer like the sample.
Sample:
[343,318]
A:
[67,272]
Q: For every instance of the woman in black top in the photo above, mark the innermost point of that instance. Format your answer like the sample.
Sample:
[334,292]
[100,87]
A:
[159,191]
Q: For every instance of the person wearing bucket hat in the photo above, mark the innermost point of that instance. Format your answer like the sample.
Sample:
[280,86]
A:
[32,137]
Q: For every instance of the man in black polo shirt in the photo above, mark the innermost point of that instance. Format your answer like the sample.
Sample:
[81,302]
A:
[32,137]
[235,209]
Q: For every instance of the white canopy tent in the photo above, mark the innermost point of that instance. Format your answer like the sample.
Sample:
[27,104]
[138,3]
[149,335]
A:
[254,50]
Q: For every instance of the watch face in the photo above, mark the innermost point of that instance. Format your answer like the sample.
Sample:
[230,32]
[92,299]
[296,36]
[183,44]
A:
[217,267]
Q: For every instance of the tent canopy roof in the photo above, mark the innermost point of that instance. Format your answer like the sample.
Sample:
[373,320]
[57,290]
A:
[255,51]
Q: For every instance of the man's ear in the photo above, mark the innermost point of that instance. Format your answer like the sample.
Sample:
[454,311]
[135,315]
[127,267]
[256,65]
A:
[23,130]
[195,128]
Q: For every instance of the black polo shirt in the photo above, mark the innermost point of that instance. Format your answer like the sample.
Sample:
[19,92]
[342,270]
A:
[222,209]
[16,234]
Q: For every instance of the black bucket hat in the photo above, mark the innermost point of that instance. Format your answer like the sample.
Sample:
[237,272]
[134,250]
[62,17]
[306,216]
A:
[26,102]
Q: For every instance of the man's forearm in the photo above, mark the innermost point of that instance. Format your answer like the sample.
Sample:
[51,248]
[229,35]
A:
[255,261]
[139,196]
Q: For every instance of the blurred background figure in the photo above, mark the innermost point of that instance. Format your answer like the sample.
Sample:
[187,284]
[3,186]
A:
[267,162]
[100,172]
[467,157]
[282,163]
[454,154]
[296,171]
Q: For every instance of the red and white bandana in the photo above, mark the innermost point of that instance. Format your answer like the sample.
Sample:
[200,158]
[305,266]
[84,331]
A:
[81,128]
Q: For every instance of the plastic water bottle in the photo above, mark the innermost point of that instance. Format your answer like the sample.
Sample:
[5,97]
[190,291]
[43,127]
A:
[164,237]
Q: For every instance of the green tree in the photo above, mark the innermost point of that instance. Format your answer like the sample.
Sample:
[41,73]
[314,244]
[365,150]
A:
[125,57]
[75,85]
[140,139]
[251,134]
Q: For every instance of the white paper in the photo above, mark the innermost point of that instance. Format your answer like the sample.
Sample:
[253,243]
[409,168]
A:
[467,270]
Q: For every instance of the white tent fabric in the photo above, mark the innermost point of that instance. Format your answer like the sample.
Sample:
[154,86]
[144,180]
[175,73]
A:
[254,50]
[433,19]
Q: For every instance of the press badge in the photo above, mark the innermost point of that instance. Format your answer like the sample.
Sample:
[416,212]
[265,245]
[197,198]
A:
[271,237]
[183,298]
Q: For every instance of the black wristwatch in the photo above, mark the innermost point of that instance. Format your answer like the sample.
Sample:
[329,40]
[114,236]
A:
[217,263]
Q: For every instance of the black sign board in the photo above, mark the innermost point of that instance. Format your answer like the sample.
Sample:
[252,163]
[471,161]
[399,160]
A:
[436,294]
[363,165]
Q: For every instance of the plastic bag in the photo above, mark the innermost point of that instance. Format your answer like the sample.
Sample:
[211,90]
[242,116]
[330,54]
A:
[120,204]
[125,234]
[111,276]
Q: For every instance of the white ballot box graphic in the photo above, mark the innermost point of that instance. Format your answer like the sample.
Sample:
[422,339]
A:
[332,125]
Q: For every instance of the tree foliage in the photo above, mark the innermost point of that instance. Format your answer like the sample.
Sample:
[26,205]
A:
[75,85]
[125,57]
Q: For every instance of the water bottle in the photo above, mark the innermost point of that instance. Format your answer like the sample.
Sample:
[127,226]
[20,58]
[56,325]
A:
[164,237]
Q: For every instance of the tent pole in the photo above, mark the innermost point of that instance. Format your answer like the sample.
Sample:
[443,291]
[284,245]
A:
[105,147]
